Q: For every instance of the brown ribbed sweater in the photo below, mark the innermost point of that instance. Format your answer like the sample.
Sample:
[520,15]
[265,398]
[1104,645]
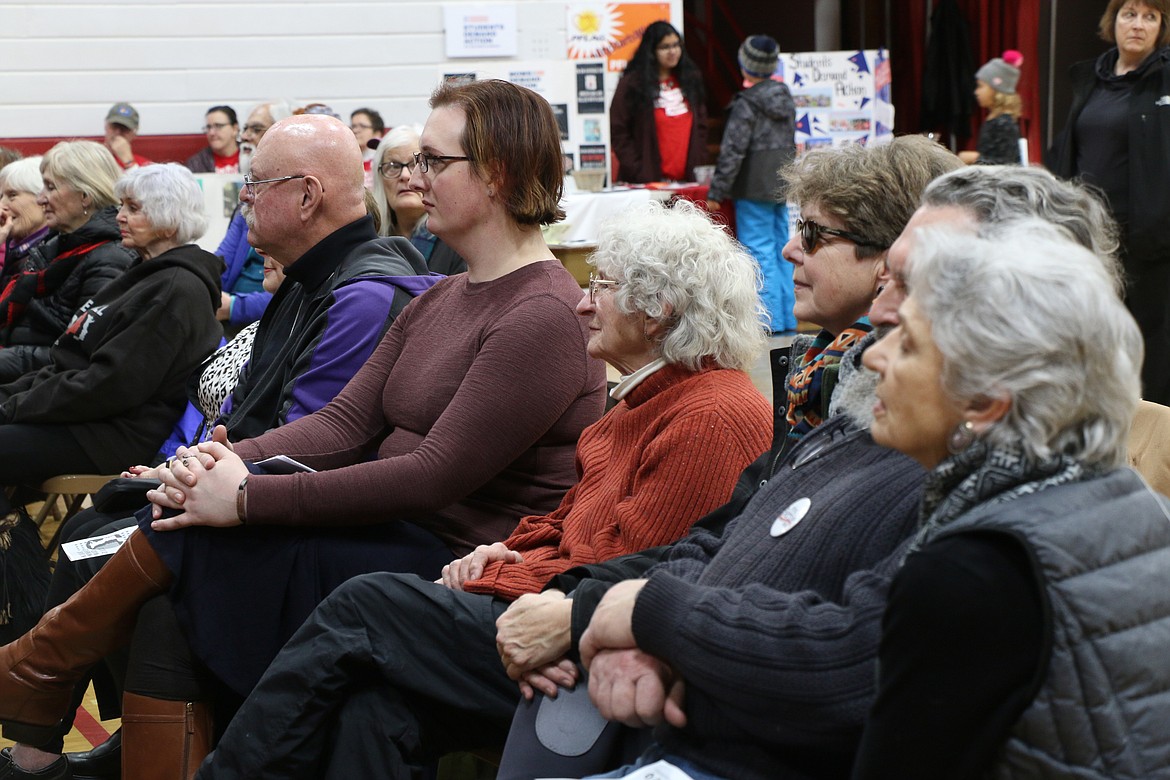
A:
[666,455]
[473,402]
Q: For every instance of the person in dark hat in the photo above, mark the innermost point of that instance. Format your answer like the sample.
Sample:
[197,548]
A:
[121,130]
[758,140]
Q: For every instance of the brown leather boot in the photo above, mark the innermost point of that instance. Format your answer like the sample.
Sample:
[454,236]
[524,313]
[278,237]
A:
[38,671]
[163,740]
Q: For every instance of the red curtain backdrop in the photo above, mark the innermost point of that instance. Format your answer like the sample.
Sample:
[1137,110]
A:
[995,25]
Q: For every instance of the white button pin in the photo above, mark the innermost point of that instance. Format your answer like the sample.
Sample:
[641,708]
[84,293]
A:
[791,516]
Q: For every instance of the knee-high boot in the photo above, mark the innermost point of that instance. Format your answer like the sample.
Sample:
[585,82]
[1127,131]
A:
[163,740]
[38,670]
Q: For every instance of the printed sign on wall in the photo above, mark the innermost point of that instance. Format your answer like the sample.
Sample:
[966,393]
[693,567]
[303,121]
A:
[610,30]
[480,30]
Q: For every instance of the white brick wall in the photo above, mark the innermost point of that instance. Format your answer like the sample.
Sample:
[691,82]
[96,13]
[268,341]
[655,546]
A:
[63,63]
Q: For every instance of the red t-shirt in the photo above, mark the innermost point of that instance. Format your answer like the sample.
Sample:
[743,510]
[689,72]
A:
[672,120]
[229,164]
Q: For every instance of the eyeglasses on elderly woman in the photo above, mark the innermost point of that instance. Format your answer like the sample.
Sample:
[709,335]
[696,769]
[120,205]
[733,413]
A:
[812,233]
[392,169]
[596,282]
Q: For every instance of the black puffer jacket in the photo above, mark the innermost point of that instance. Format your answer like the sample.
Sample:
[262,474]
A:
[46,318]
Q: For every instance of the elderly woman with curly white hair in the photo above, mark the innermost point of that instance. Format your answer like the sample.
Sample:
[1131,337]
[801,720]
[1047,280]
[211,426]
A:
[115,384]
[1027,628]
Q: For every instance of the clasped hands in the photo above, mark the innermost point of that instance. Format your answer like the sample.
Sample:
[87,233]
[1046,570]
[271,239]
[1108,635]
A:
[200,482]
[625,683]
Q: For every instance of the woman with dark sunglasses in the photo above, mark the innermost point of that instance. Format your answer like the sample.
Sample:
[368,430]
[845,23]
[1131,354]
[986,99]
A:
[854,201]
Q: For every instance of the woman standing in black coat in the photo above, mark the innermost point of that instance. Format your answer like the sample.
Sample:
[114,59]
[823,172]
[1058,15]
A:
[1118,138]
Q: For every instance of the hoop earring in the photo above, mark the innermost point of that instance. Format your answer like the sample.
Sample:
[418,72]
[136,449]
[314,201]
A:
[962,437]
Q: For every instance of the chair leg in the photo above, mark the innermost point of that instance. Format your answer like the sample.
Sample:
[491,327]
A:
[50,506]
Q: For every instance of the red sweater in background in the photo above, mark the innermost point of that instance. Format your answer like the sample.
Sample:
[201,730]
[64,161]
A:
[666,455]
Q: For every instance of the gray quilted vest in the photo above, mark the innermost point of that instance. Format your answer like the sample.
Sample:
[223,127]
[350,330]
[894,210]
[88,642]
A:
[1102,554]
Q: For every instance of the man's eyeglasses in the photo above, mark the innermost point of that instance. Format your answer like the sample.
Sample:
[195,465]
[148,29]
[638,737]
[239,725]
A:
[426,162]
[392,169]
[256,128]
[596,282]
[250,183]
[215,126]
[811,234]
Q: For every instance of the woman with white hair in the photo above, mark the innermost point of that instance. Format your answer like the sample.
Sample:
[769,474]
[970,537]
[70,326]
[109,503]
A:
[22,220]
[115,382]
[81,255]
[1025,631]
[400,208]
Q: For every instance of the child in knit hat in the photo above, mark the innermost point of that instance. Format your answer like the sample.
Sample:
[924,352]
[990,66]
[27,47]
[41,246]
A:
[995,91]
[758,140]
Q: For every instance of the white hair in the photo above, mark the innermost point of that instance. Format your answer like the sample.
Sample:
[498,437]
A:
[676,265]
[23,175]
[996,194]
[1030,315]
[401,135]
[170,196]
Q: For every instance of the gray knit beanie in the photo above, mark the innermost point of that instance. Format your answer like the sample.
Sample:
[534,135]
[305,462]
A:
[1000,76]
[758,56]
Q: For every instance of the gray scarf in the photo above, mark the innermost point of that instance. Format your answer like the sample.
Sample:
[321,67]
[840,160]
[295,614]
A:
[983,473]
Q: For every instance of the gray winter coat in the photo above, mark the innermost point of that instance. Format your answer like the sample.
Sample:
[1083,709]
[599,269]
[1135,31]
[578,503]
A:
[758,140]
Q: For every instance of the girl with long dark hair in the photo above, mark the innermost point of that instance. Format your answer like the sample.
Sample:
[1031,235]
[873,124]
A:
[658,118]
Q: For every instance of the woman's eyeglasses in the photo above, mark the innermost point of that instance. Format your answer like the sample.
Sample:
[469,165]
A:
[207,128]
[392,169]
[596,282]
[438,162]
[811,234]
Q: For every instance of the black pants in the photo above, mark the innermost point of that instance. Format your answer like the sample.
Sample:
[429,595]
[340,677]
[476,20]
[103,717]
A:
[390,671]
[1148,298]
[30,454]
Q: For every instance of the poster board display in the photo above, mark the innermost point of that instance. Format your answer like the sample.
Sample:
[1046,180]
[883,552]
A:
[842,97]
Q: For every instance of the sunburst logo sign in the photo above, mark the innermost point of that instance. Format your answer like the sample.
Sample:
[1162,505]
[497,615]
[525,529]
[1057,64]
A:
[610,31]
